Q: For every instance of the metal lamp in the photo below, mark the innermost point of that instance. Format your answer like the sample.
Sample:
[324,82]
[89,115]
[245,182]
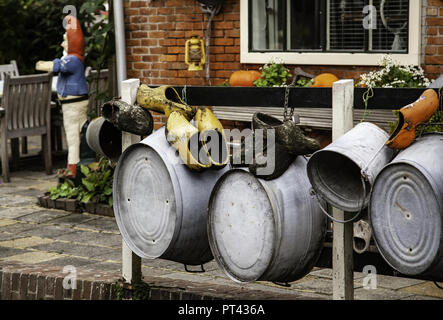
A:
[195,54]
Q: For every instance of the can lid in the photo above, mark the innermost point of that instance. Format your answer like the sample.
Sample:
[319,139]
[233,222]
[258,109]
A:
[406,218]
[241,226]
[145,210]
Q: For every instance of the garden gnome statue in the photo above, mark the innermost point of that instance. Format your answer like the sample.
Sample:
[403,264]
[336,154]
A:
[72,88]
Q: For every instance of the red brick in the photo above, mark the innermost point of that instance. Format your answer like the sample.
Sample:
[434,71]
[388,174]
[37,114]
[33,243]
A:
[168,58]
[430,50]
[157,34]
[141,65]
[224,42]
[139,34]
[168,42]
[156,19]
[140,50]
[224,25]
[138,4]
[138,19]
[176,34]
[434,59]
[166,11]
[150,42]
[431,31]
[434,21]
[148,11]
[431,11]
[175,49]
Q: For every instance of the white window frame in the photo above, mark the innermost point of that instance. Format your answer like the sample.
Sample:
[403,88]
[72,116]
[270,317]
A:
[333,58]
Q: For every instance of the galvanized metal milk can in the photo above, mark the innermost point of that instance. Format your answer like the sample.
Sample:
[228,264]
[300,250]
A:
[160,205]
[343,172]
[266,230]
[406,209]
[104,138]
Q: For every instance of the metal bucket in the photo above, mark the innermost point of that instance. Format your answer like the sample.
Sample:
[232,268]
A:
[343,172]
[406,209]
[266,230]
[104,138]
[160,205]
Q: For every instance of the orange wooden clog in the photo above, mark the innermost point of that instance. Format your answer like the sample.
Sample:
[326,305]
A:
[410,116]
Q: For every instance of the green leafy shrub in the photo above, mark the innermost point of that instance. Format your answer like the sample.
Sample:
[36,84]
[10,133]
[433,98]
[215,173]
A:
[274,74]
[96,184]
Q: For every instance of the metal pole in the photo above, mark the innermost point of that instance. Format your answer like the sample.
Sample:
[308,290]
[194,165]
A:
[120,49]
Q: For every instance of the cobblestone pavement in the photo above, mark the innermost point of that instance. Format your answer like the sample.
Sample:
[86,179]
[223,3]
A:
[30,234]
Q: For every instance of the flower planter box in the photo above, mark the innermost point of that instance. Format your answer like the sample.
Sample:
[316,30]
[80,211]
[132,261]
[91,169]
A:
[73,205]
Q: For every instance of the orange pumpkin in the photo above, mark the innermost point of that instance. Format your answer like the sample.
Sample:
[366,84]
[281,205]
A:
[244,78]
[324,80]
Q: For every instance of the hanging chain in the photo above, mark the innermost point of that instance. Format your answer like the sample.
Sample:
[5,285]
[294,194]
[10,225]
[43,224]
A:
[184,97]
[288,115]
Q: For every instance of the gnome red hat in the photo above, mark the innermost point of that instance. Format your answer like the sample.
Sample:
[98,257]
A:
[74,34]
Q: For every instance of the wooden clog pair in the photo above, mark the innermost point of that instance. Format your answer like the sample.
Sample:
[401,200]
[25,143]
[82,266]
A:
[202,146]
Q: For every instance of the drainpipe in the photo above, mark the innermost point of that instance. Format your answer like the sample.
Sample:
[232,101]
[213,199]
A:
[120,49]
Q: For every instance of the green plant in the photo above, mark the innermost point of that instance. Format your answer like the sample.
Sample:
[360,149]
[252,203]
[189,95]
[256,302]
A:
[274,74]
[96,184]
[65,190]
[392,74]
[303,82]
[430,127]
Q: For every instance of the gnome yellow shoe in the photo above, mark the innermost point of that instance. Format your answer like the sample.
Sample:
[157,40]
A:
[213,137]
[184,137]
[163,99]
[410,116]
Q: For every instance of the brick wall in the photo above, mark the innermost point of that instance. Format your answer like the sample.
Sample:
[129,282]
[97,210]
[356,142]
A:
[433,38]
[156,32]
[39,282]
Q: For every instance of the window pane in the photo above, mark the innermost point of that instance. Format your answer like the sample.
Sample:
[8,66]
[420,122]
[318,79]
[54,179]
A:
[346,30]
[392,26]
[267,24]
[304,30]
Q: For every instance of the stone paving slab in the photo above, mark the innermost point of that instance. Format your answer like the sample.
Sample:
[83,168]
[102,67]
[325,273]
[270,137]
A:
[73,219]
[12,213]
[7,222]
[94,238]
[426,288]
[73,249]
[8,251]
[27,242]
[42,216]
[379,294]
[45,231]
[32,257]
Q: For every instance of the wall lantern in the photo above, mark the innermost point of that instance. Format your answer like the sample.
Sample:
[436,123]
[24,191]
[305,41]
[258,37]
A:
[195,54]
